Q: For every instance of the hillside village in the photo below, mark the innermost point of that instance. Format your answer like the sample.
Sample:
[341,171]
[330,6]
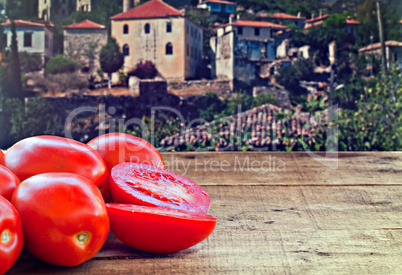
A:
[199,58]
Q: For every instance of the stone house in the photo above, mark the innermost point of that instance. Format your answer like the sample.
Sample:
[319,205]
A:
[218,7]
[32,37]
[157,32]
[283,18]
[56,10]
[83,42]
[350,24]
[316,21]
[393,52]
[242,49]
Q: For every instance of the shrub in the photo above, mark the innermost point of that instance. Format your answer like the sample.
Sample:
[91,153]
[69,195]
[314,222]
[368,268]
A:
[60,64]
[30,62]
[145,70]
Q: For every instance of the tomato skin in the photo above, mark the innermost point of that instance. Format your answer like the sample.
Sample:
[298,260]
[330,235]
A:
[116,148]
[11,248]
[142,184]
[8,182]
[55,209]
[44,154]
[158,230]
[1,157]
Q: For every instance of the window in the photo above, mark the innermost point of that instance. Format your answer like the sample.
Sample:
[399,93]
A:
[126,50]
[147,28]
[256,31]
[27,39]
[187,50]
[125,29]
[169,49]
[168,27]
[240,30]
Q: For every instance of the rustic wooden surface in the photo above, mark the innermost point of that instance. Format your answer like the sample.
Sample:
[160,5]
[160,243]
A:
[278,213]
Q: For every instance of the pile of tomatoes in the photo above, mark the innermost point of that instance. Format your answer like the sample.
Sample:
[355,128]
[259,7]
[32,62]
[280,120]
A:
[53,192]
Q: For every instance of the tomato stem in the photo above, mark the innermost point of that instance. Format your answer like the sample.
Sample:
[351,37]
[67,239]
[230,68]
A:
[5,236]
[82,238]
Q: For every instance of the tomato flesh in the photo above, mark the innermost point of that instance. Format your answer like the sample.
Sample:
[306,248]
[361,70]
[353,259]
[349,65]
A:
[116,148]
[8,182]
[64,217]
[12,239]
[143,184]
[158,230]
[44,154]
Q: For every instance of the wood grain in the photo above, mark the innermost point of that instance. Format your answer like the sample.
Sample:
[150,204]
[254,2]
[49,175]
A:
[309,220]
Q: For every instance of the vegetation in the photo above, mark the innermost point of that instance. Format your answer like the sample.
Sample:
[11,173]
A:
[60,64]
[144,70]
[111,58]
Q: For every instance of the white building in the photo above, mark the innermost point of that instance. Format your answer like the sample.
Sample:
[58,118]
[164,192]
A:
[32,37]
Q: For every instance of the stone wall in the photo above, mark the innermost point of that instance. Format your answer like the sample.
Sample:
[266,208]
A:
[80,44]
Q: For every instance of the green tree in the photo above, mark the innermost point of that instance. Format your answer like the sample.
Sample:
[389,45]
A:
[111,58]
[14,67]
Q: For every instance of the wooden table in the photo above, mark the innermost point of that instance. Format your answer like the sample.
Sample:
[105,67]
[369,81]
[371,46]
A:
[282,213]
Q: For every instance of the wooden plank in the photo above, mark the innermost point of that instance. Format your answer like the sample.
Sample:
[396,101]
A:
[273,229]
[280,168]
[257,252]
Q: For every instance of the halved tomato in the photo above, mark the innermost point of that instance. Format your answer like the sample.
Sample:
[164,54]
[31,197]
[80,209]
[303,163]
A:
[117,148]
[143,184]
[64,217]
[12,239]
[158,230]
[45,154]
[8,182]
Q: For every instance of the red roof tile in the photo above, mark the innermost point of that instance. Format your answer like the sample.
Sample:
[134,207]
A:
[261,24]
[220,2]
[23,23]
[376,46]
[86,24]
[352,22]
[317,18]
[260,127]
[150,9]
[282,16]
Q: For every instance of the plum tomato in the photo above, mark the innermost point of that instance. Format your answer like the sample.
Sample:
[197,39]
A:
[64,217]
[45,154]
[142,184]
[1,157]
[157,229]
[12,239]
[117,148]
[8,182]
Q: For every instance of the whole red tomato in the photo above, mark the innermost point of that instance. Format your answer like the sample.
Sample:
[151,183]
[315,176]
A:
[158,230]
[44,154]
[64,217]
[143,184]
[8,182]
[1,157]
[117,148]
[12,239]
